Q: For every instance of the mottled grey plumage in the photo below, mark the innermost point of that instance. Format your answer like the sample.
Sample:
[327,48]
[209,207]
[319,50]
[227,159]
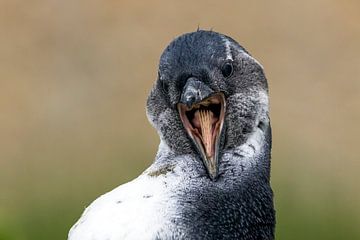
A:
[239,204]
[186,202]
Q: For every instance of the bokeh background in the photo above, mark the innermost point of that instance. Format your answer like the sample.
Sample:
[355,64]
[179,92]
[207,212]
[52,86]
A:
[74,78]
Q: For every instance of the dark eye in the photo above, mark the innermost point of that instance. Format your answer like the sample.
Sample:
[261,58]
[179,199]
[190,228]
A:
[227,69]
[164,87]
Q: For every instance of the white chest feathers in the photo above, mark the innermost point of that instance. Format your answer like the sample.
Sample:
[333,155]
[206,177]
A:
[140,209]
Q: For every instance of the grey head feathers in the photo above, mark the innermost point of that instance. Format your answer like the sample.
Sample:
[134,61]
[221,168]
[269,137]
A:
[202,54]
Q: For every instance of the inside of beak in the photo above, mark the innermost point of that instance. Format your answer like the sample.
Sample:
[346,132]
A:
[203,122]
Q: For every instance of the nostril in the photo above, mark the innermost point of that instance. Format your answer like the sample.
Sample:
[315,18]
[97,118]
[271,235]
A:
[198,94]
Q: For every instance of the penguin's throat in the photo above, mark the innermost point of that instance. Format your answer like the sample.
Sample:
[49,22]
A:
[203,122]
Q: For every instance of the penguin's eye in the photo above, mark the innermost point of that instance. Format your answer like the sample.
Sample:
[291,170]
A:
[227,69]
[164,87]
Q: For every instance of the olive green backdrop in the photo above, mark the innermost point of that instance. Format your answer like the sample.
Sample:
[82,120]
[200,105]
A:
[74,77]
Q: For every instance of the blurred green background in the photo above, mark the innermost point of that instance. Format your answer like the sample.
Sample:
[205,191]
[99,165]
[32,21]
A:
[74,78]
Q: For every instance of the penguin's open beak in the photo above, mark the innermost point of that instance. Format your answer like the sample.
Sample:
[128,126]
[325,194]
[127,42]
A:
[202,113]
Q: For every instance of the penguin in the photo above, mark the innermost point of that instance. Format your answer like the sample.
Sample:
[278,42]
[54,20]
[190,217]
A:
[211,175]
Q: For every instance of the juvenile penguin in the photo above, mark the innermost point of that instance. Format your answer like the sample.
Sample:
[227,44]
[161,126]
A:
[211,176]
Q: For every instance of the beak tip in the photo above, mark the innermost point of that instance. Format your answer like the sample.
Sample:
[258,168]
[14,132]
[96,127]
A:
[213,176]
